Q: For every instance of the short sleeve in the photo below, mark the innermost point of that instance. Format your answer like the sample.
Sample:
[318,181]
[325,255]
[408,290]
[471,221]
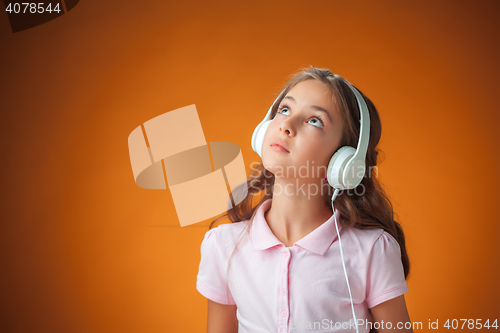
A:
[385,278]
[211,280]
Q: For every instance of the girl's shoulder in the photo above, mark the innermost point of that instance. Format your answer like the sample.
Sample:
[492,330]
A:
[366,234]
[226,235]
[229,229]
[372,237]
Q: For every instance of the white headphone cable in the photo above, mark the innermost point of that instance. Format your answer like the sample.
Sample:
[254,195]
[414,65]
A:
[343,263]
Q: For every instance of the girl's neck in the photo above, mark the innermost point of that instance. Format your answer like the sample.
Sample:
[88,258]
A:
[293,217]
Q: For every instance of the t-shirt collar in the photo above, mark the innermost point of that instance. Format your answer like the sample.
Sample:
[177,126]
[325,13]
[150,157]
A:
[317,241]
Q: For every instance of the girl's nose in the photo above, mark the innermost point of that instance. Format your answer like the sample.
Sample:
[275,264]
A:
[287,127]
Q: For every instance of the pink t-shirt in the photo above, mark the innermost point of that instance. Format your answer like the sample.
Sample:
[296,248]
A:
[301,288]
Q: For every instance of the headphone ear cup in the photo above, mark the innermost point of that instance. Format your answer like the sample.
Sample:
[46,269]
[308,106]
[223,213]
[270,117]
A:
[258,137]
[336,167]
[260,131]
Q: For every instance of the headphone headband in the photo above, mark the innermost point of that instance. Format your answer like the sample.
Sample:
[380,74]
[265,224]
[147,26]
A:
[364,120]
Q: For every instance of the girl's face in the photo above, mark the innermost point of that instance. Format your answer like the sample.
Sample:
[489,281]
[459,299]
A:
[308,124]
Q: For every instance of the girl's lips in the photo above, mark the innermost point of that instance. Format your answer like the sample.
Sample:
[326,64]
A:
[277,147]
[280,145]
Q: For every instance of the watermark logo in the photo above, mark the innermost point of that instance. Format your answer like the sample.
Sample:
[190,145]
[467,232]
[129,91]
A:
[328,324]
[170,150]
[306,180]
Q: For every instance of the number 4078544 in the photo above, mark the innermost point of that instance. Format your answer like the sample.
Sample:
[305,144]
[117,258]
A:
[470,324]
[31,7]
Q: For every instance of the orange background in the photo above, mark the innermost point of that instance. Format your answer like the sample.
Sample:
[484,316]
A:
[83,249]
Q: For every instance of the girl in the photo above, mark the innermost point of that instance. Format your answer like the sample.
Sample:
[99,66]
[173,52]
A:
[299,255]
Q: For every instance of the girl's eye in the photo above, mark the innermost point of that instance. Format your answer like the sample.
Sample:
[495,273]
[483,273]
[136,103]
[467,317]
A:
[319,121]
[315,120]
[281,108]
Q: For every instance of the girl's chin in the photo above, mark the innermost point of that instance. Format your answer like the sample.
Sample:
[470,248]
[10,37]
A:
[277,167]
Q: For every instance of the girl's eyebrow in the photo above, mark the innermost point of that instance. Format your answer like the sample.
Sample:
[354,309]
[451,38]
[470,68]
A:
[312,106]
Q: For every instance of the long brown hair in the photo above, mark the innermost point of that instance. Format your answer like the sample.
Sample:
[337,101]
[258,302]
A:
[369,209]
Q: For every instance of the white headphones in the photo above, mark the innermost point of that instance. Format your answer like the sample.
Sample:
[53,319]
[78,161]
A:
[347,166]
